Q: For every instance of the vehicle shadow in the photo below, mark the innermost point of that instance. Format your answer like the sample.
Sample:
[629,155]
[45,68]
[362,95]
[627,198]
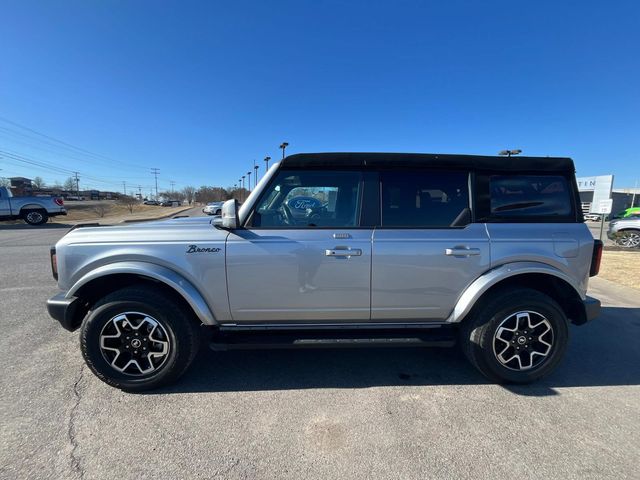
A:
[605,352]
[24,226]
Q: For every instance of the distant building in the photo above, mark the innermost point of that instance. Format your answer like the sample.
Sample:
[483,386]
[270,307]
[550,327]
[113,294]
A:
[21,186]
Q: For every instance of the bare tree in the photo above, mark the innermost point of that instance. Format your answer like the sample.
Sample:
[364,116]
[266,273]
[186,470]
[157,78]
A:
[189,194]
[128,201]
[70,184]
[38,183]
[101,209]
[212,194]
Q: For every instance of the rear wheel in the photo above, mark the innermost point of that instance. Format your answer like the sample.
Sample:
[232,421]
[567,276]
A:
[518,336]
[136,339]
[628,239]
[35,217]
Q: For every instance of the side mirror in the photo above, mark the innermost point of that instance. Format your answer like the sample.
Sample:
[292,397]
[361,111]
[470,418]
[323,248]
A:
[230,214]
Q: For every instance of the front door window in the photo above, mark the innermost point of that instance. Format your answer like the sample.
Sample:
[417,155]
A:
[307,199]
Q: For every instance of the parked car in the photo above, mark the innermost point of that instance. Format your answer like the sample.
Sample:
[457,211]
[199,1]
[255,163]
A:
[151,202]
[402,250]
[171,203]
[33,210]
[592,217]
[632,212]
[213,208]
[625,232]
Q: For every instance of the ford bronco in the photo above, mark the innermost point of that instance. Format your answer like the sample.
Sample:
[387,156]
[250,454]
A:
[339,249]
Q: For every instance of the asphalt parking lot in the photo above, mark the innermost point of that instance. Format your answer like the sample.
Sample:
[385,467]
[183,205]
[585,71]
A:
[366,413]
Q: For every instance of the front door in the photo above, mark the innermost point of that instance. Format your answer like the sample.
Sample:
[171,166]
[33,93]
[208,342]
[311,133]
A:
[302,256]
[426,251]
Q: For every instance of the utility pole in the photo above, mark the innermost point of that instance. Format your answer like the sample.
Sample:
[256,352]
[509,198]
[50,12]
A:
[284,146]
[140,192]
[155,172]
[172,185]
[77,184]
[124,187]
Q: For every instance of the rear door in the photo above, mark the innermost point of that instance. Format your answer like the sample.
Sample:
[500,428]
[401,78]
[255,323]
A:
[426,251]
[303,256]
[5,207]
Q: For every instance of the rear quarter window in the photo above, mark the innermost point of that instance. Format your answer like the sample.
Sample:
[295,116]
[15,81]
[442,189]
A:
[530,197]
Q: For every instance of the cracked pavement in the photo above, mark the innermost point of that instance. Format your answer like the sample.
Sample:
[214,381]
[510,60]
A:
[365,413]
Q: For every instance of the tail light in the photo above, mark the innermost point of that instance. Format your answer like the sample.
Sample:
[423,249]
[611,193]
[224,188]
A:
[596,257]
[54,263]
[59,201]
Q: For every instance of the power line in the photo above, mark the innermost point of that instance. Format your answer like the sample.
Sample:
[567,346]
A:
[69,145]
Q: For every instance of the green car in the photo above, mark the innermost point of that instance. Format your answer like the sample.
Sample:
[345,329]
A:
[629,212]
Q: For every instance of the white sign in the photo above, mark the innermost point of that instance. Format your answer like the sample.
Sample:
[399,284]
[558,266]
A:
[601,187]
[605,206]
[589,184]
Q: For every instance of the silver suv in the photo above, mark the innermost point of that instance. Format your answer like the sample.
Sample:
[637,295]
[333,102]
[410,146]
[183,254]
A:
[625,232]
[338,249]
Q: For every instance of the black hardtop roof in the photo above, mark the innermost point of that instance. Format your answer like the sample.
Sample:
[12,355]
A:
[417,160]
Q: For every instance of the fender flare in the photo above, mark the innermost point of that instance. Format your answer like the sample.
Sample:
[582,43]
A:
[170,278]
[479,286]
[33,206]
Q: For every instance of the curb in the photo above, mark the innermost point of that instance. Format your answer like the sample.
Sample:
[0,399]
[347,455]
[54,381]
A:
[133,220]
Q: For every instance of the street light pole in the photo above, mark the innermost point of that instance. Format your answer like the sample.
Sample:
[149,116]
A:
[284,146]
[266,160]
[249,180]
[255,176]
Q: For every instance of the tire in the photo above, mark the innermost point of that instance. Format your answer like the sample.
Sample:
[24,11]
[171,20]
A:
[628,239]
[488,339]
[219,212]
[35,217]
[130,312]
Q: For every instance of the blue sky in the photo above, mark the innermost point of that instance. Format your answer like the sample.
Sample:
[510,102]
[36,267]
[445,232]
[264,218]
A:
[201,89]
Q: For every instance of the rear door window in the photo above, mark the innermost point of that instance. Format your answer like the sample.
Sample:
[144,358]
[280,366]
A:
[425,199]
[530,196]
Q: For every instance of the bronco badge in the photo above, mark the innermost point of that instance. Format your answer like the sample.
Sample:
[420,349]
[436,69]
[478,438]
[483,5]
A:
[197,249]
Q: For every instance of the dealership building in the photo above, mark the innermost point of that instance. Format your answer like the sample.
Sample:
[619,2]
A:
[593,189]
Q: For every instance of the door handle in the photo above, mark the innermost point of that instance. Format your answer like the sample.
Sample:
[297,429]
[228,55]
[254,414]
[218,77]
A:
[461,251]
[343,252]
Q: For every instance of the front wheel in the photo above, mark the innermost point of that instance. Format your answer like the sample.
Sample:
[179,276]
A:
[35,217]
[517,337]
[136,339]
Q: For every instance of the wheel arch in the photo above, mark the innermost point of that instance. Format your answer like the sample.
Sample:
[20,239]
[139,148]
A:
[540,277]
[108,278]
[32,206]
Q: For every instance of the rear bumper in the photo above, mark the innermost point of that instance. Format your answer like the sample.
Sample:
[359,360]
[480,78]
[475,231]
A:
[59,212]
[63,310]
[591,308]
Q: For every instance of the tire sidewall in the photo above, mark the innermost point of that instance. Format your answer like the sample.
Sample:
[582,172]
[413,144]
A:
[90,345]
[482,341]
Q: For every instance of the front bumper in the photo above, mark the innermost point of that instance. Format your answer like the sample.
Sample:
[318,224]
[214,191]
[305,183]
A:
[64,310]
[591,308]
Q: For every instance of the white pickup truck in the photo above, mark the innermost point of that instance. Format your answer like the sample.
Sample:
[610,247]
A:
[33,210]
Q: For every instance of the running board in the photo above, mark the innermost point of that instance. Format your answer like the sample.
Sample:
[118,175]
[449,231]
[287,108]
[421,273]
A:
[444,337]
